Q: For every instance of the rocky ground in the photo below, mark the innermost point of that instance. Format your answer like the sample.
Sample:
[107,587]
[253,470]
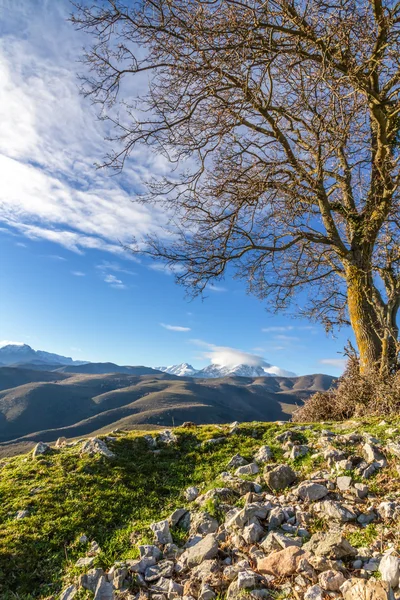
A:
[311,515]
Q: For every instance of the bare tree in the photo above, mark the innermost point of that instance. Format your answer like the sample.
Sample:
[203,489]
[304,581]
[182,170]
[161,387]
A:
[286,116]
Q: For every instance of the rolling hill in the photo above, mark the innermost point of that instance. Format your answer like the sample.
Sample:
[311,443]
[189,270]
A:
[40,405]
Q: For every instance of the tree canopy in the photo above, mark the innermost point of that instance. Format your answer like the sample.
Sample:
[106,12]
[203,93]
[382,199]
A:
[283,116]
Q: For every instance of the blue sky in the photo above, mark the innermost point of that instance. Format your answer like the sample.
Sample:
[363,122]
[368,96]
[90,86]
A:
[66,285]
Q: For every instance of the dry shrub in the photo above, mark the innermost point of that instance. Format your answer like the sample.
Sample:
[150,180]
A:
[355,395]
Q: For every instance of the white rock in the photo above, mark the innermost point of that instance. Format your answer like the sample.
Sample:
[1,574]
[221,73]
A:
[40,449]
[246,580]
[68,593]
[389,569]
[331,580]
[104,590]
[162,533]
[314,593]
[191,493]
[250,469]
[96,446]
[263,455]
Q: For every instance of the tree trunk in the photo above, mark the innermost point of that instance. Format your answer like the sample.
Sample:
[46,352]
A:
[364,319]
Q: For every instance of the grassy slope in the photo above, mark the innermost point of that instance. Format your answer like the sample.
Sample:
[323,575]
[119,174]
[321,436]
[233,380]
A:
[110,500]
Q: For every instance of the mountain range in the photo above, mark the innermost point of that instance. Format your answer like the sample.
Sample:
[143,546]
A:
[22,355]
[44,396]
[214,371]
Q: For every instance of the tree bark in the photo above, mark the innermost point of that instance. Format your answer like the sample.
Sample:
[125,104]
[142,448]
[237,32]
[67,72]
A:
[364,319]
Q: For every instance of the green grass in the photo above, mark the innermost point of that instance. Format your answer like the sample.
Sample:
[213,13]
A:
[363,537]
[113,501]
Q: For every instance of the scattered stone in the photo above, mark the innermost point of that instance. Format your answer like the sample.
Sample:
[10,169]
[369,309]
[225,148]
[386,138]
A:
[330,545]
[191,493]
[361,589]
[104,590]
[343,483]
[246,580]
[90,579]
[40,449]
[250,469]
[61,442]
[96,446]
[206,593]
[85,561]
[69,593]
[298,451]
[336,511]
[205,549]
[314,593]
[162,533]
[331,580]
[177,515]
[372,454]
[163,569]
[311,492]
[361,490]
[22,514]
[236,461]
[280,478]
[263,455]
[283,563]
[167,437]
[389,569]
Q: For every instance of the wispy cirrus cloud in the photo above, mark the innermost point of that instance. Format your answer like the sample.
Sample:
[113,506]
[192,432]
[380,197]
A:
[175,327]
[114,282]
[107,265]
[50,189]
[78,273]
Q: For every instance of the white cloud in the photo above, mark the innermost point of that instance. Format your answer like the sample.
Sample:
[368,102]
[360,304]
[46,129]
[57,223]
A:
[286,338]
[107,265]
[338,363]
[175,327]
[78,273]
[276,329]
[114,282]
[9,342]
[21,245]
[216,288]
[51,138]
[226,356]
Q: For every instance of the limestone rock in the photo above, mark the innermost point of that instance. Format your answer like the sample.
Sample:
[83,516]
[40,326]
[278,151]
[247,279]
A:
[331,580]
[104,590]
[314,593]
[336,511]
[280,477]
[191,493]
[205,549]
[283,563]
[69,593]
[162,533]
[96,446]
[90,579]
[361,589]
[40,449]
[311,492]
[250,469]
[389,569]
[330,545]
[263,455]
[236,461]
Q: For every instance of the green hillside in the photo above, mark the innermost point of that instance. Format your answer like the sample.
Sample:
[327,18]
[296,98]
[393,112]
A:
[114,500]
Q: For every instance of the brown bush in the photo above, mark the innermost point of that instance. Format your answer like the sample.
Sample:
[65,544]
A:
[355,395]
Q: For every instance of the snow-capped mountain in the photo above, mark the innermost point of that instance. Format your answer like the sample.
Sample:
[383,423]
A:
[22,353]
[214,371]
[182,370]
